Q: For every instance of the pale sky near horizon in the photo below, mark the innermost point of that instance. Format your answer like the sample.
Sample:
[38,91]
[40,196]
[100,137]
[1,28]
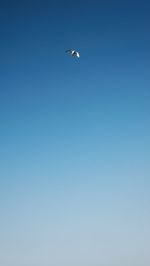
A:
[74,133]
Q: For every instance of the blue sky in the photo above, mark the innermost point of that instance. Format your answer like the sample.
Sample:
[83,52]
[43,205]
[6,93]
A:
[74,134]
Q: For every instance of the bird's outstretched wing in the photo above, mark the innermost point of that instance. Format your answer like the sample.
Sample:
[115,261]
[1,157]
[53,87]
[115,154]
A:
[77,53]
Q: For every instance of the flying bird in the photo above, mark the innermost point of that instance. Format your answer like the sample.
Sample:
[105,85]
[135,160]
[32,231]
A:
[73,53]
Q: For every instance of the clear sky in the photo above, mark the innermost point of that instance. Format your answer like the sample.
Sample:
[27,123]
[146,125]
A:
[74,133]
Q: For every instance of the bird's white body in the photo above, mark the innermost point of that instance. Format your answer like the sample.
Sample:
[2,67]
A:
[73,53]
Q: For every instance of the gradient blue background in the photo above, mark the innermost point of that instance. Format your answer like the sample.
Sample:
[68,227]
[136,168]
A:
[74,134]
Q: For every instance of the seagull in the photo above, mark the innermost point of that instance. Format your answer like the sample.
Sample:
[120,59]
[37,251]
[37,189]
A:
[73,53]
